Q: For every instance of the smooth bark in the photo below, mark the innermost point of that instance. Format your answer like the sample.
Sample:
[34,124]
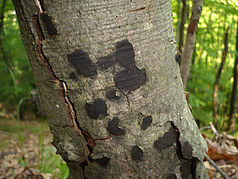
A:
[111,88]
[216,84]
[190,41]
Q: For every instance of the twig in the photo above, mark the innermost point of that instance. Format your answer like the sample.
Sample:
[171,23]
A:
[205,128]
[216,167]
[214,130]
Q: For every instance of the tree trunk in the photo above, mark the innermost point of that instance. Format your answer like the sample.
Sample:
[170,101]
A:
[181,27]
[232,114]
[111,88]
[190,41]
[216,84]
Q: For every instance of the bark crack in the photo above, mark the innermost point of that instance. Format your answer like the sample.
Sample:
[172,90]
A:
[127,98]
[142,8]
[105,138]
[62,86]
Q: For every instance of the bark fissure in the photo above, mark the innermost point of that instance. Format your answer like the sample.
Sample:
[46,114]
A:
[62,87]
[142,8]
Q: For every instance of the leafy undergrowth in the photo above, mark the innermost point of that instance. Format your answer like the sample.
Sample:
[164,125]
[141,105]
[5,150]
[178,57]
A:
[28,144]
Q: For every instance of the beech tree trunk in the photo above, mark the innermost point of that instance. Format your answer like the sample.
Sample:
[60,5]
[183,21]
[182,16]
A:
[217,81]
[111,88]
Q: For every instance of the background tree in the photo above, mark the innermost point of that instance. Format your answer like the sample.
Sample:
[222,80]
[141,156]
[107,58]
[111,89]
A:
[190,41]
[182,23]
[111,87]
[218,76]
[232,115]
[209,40]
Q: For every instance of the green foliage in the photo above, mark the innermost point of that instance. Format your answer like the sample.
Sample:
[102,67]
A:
[15,75]
[216,16]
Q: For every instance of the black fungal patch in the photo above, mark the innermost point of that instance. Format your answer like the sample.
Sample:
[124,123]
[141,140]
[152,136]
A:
[187,150]
[186,169]
[146,122]
[125,54]
[105,62]
[178,58]
[102,161]
[167,139]
[171,176]
[82,63]
[96,108]
[113,127]
[113,94]
[72,76]
[48,24]
[130,79]
[136,153]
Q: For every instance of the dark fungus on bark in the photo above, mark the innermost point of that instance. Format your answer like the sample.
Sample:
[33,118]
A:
[186,169]
[82,63]
[167,139]
[171,176]
[187,150]
[178,58]
[105,62]
[102,161]
[48,24]
[113,127]
[136,153]
[96,109]
[125,54]
[72,76]
[113,94]
[130,79]
[146,122]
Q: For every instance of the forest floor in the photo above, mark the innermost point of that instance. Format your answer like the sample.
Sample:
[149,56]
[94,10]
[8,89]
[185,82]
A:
[27,144]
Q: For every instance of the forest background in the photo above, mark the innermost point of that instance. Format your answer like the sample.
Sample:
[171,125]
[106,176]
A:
[16,79]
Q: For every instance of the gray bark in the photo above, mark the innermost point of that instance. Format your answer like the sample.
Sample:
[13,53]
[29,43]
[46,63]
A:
[111,88]
[190,41]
